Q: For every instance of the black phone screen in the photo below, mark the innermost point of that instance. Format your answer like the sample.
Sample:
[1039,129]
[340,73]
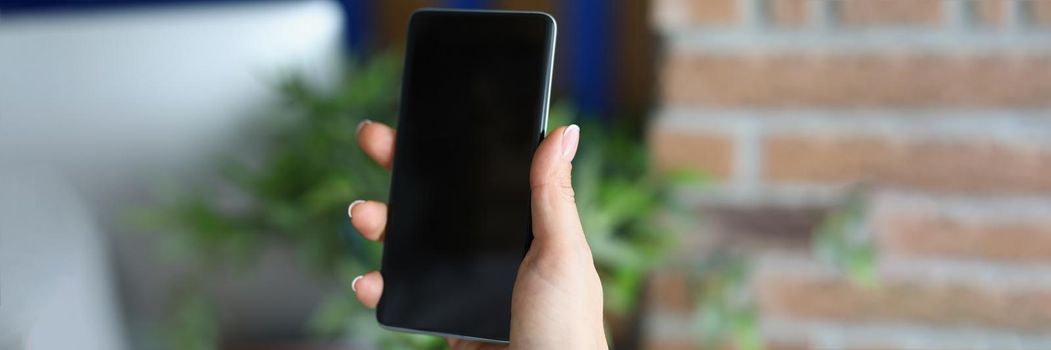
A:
[473,109]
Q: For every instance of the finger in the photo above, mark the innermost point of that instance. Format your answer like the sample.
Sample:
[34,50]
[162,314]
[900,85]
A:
[368,288]
[377,140]
[369,218]
[555,218]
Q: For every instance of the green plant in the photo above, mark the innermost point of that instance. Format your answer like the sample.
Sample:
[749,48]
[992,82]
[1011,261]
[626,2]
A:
[626,207]
[843,241]
[293,190]
[307,167]
[725,314]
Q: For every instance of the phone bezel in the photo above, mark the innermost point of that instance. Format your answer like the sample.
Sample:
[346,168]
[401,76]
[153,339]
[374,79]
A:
[543,131]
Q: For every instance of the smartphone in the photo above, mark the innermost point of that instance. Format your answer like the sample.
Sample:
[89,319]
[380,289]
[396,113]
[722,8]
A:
[474,103]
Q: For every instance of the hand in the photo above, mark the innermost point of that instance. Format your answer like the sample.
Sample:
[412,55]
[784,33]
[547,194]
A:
[557,298]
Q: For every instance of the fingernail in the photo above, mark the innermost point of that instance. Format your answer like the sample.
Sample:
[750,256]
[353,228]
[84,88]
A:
[350,209]
[570,140]
[354,284]
[362,124]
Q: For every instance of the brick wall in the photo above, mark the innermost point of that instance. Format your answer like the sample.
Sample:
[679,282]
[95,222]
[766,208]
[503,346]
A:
[942,108]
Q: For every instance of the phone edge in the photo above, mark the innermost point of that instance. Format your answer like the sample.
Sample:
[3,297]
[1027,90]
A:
[543,133]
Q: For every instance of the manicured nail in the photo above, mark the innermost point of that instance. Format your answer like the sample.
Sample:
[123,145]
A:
[350,209]
[354,284]
[362,124]
[570,140]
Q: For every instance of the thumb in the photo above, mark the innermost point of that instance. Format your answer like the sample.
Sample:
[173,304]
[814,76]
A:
[555,218]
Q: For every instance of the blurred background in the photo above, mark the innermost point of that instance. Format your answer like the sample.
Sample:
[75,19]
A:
[754,174]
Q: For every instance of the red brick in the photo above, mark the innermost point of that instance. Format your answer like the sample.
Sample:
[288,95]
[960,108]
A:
[825,334]
[976,165]
[890,12]
[991,13]
[671,291]
[658,344]
[1039,12]
[937,228]
[714,12]
[709,152]
[857,80]
[758,228]
[789,13]
[678,13]
[810,293]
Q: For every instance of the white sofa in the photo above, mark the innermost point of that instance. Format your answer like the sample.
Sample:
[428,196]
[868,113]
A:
[93,104]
